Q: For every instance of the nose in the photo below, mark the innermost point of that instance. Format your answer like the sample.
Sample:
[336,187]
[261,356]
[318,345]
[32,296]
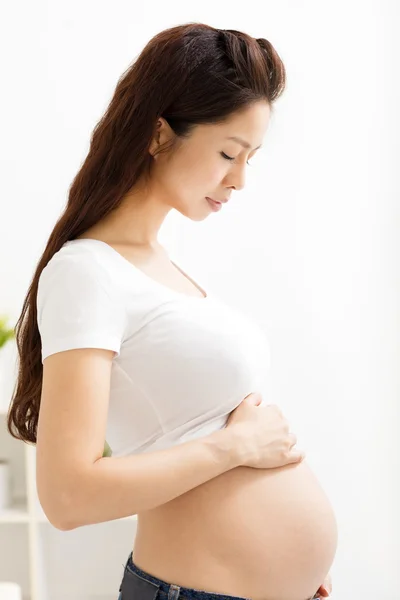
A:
[236,179]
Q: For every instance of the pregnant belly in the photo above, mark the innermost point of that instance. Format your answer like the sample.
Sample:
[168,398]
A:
[265,534]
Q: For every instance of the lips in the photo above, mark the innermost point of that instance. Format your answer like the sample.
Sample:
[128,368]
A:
[219,201]
[214,205]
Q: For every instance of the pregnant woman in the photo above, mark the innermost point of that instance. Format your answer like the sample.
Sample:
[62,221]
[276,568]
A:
[144,392]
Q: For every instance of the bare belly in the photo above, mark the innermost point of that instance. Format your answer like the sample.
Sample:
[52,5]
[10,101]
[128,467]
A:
[265,534]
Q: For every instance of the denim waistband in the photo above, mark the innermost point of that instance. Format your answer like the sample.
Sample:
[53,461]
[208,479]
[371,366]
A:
[139,585]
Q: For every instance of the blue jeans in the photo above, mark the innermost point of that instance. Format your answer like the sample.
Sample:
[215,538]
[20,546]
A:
[139,585]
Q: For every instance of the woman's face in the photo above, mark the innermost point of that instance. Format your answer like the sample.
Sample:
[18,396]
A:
[200,166]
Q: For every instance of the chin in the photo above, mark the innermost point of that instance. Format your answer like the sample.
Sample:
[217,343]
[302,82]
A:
[192,215]
[198,218]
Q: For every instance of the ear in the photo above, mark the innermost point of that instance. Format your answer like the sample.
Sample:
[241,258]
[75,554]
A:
[162,134]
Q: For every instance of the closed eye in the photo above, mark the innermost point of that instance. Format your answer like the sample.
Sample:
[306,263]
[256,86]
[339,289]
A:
[232,158]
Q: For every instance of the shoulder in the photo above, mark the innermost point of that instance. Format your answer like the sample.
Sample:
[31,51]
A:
[78,303]
[78,274]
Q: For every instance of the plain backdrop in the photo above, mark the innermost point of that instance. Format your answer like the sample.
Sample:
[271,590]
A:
[309,248]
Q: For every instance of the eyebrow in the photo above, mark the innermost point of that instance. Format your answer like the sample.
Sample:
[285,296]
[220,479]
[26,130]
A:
[242,142]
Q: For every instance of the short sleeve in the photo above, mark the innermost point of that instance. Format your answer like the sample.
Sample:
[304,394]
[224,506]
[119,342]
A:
[78,306]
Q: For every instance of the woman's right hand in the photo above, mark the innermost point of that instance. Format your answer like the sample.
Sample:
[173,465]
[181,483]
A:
[262,439]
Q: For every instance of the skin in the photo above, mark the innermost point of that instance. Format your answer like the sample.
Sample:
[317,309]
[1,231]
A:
[183,176]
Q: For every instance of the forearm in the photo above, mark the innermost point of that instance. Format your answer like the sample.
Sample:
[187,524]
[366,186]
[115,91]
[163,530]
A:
[117,487]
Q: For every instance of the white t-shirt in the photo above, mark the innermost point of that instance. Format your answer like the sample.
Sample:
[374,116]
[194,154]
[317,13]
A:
[182,363]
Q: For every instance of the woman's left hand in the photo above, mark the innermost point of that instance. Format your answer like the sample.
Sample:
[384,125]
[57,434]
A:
[325,589]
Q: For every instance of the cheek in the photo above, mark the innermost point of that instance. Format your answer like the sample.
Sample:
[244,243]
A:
[194,174]
[205,175]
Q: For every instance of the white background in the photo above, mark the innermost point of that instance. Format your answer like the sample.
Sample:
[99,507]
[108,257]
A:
[308,247]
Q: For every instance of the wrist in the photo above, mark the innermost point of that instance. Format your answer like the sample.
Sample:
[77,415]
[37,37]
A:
[225,448]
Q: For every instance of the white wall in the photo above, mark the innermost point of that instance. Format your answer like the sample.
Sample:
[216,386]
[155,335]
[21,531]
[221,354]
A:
[308,247]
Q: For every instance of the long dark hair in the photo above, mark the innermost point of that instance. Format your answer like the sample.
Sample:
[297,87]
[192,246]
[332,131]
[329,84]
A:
[189,74]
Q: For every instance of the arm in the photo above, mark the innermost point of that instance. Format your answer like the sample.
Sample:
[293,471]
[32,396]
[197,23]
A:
[116,487]
[77,485]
